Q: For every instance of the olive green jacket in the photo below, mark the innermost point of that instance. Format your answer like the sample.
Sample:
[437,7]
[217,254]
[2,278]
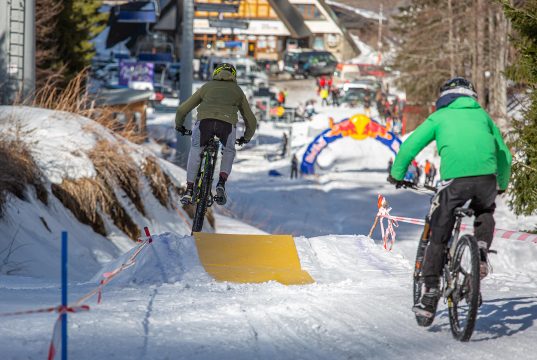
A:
[221,99]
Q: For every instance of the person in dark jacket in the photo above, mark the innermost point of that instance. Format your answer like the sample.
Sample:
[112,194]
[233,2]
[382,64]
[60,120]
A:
[475,165]
[219,102]
[294,167]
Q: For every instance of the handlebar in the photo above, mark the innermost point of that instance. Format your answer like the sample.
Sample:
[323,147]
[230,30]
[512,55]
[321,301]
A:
[410,185]
[186,133]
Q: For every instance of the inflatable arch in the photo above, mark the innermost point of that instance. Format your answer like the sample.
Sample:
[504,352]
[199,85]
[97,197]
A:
[358,127]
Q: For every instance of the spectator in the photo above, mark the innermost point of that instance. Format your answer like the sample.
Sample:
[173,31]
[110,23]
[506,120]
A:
[335,96]
[310,109]
[367,103]
[390,163]
[294,167]
[284,145]
[324,97]
[281,98]
[322,82]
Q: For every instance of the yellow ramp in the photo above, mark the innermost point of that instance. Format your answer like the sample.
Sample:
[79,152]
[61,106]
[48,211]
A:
[251,258]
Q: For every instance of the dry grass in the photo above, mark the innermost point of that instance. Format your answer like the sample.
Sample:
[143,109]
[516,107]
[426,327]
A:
[191,211]
[18,170]
[75,99]
[85,197]
[114,166]
[158,181]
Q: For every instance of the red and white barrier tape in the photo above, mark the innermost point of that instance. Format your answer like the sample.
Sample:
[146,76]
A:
[56,341]
[384,213]
[78,307]
[389,234]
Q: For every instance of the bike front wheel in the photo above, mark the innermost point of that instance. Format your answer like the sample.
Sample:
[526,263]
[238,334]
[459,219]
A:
[202,200]
[463,290]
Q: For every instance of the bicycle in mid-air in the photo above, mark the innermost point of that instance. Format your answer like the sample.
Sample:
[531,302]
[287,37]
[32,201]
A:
[460,286]
[202,196]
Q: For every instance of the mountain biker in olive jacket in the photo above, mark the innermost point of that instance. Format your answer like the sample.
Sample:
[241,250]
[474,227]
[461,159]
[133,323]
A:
[219,101]
[475,165]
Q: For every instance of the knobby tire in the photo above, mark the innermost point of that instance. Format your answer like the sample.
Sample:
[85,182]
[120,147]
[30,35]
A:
[418,282]
[205,191]
[466,290]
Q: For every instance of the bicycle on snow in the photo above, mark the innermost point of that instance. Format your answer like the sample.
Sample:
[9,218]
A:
[202,196]
[460,280]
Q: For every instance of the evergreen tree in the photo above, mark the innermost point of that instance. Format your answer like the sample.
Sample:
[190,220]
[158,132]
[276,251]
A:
[524,71]
[78,23]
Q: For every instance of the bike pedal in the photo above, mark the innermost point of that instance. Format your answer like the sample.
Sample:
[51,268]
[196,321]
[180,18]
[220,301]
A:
[422,312]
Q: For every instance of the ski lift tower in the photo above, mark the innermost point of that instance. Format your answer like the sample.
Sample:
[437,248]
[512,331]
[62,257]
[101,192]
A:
[17,50]
[185,25]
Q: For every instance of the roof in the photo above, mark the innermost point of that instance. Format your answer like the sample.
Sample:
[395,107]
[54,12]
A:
[287,13]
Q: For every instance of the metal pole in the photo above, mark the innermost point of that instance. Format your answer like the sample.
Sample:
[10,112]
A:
[28,85]
[379,44]
[4,33]
[64,294]
[185,89]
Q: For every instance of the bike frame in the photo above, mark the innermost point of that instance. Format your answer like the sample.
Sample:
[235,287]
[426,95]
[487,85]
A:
[208,162]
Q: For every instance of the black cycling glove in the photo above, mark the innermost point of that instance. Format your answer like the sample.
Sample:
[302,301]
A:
[183,130]
[398,183]
[241,141]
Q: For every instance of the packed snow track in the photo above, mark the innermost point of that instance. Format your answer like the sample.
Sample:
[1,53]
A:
[167,307]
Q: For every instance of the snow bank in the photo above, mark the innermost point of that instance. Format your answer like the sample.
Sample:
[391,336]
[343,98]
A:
[59,143]
[168,259]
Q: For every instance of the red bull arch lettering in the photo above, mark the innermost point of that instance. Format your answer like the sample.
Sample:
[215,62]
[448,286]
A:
[358,127]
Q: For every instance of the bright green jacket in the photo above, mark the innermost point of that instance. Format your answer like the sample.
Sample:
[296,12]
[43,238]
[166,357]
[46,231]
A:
[221,99]
[468,141]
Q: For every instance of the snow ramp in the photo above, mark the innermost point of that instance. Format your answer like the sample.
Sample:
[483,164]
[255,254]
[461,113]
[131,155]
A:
[251,258]
[224,257]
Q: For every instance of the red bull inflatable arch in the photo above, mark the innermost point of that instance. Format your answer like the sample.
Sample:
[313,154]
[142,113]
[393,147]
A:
[358,127]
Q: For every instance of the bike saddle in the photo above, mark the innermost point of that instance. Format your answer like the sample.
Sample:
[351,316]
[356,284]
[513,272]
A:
[460,211]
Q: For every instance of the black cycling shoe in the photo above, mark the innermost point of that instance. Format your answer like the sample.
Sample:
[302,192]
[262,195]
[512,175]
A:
[429,302]
[220,196]
[186,199]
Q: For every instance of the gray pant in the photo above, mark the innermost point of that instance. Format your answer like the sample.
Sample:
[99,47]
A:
[194,157]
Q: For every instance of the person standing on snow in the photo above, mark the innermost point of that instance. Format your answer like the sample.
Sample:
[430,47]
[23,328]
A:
[475,165]
[324,97]
[335,96]
[294,167]
[219,101]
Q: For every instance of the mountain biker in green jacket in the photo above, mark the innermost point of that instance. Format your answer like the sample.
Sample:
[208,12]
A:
[219,101]
[475,165]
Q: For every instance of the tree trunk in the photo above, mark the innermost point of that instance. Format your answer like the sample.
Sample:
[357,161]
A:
[450,39]
[499,108]
[478,75]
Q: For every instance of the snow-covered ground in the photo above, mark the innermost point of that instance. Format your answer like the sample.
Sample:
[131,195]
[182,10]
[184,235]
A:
[167,307]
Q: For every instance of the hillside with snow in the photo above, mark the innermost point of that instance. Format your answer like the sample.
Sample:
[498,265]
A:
[166,306]
[69,152]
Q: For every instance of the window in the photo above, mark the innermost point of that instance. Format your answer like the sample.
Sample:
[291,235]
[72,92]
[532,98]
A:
[248,9]
[309,11]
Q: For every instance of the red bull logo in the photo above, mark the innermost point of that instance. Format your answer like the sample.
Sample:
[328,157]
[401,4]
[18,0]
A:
[358,127]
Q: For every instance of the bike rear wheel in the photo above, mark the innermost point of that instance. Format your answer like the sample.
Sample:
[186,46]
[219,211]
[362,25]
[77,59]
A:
[203,196]
[463,298]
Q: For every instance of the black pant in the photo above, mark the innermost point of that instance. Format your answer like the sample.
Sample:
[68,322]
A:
[211,127]
[294,172]
[482,191]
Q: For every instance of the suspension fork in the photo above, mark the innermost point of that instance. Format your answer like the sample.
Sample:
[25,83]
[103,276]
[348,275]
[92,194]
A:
[424,240]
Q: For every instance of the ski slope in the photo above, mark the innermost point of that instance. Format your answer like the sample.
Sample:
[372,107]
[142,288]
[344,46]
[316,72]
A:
[167,307]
